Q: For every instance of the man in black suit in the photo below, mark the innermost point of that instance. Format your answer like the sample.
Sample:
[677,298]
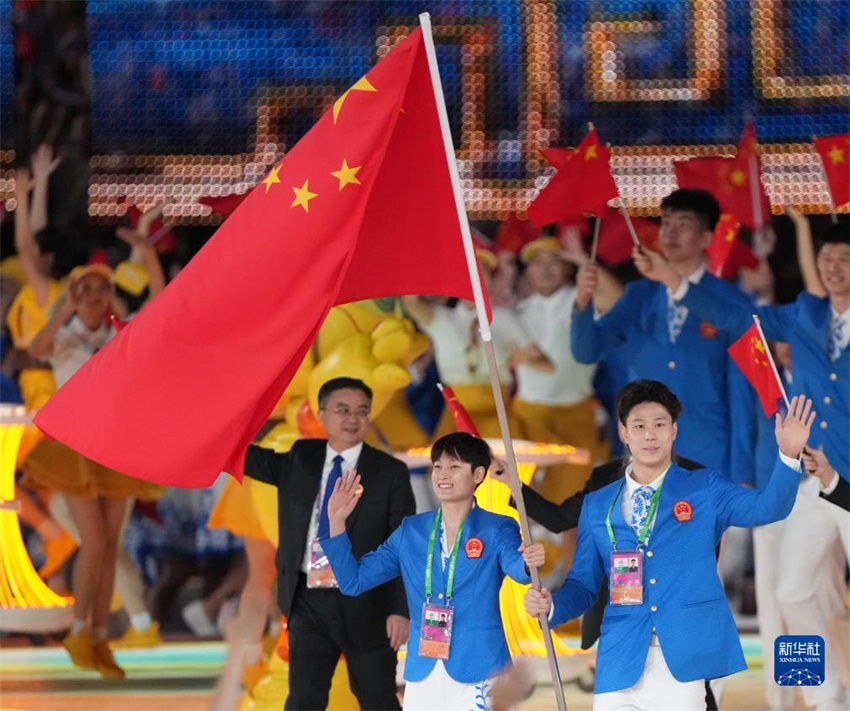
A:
[323,624]
[564,516]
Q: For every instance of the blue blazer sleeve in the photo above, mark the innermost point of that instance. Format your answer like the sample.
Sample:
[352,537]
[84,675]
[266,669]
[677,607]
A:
[590,338]
[734,317]
[373,569]
[510,559]
[737,506]
[581,587]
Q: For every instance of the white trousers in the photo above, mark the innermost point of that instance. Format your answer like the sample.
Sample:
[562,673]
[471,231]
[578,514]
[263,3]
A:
[656,690]
[800,586]
[439,692]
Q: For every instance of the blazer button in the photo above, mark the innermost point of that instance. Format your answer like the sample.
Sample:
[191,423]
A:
[833,377]
[649,554]
[654,608]
[652,581]
[824,425]
[671,364]
[827,399]
[439,596]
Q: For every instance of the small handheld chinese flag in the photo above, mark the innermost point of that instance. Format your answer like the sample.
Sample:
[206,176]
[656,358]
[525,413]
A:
[730,180]
[361,207]
[514,233]
[582,184]
[615,240]
[225,204]
[752,357]
[463,422]
[722,242]
[834,152]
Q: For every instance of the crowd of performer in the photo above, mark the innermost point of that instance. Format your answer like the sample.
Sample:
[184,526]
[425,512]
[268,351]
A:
[627,361]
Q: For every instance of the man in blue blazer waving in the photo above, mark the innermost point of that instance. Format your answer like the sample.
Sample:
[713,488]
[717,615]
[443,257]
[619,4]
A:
[452,561]
[667,627]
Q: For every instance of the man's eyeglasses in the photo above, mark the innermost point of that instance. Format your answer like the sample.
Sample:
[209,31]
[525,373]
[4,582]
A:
[343,412]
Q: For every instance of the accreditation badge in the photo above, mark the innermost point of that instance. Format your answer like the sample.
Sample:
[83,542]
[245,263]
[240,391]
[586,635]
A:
[626,584]
[436,631]
[320,574]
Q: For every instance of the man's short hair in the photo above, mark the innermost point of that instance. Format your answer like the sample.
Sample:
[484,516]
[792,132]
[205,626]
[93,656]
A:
[839,233]
[700,202]
[464,447]
[330,387]
[641,391]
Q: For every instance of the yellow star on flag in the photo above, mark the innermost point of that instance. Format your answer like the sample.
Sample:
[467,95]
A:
[758,345]
[738,177]
[836,155]
[303,196]
[271,178]
[590,152]
[362,84]
[346,175]
[730,235]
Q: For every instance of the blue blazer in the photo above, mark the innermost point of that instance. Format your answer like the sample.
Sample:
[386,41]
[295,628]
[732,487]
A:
[805,325]
[683,596]
[716,427]
[478,648]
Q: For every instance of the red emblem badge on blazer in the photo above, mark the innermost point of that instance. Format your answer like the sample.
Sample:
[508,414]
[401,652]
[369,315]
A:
[708,330]
[474,548]
[683,511]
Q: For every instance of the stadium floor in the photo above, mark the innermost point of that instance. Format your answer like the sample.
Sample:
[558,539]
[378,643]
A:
[181,675]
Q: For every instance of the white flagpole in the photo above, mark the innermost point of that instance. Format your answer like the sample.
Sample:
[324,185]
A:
[486,337]
[772,364]
[629,224]
[832,214]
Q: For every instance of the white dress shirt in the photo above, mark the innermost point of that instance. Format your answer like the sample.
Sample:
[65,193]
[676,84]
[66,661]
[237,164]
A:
[546,319]
[693,278]
[845,323]
[457,343]
[627,504]
[349,463]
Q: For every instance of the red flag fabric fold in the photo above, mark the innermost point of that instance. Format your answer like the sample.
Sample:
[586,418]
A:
[583,183]
[722,243]
[750,354]
[834,153]
[225,204]
[361,207]
[615,241]
[729,180]
[463,422]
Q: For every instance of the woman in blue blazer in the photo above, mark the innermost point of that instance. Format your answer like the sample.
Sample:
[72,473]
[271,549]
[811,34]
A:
[457,642]
[672,629]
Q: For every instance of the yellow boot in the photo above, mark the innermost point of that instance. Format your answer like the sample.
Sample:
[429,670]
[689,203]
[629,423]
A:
[105,662]
[133,639]
[81,649]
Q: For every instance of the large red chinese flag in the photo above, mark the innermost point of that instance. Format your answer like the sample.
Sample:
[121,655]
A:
[834,152]
[750,354]
[582,184]
[362,207]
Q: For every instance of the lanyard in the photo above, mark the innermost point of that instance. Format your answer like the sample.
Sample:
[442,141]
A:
[429,562]
[653,505]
